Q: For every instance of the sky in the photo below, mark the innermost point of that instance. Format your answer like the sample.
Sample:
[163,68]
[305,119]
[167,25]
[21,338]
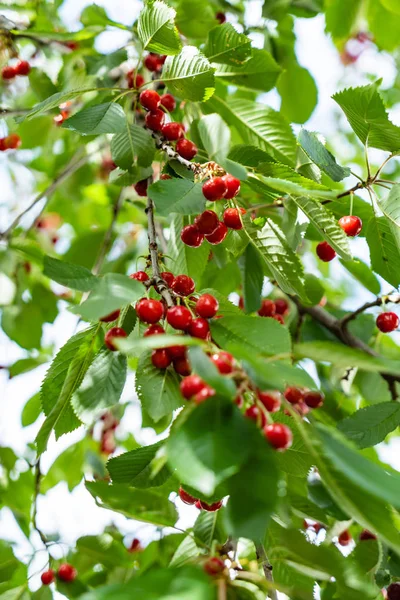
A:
[76,514]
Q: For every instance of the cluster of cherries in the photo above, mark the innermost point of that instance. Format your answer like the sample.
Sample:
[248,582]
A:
[152,62]
[65,572]
[10,142]
[207,225]
[200,504]
[344,538]
[10,71]
[276,309]
[351,225]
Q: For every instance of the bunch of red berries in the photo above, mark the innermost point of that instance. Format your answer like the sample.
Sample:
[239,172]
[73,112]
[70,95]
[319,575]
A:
[154,62]
[276,309]
[200,504]
[134,80]
[66,573]
[351,225]
[10,142]
[21,68]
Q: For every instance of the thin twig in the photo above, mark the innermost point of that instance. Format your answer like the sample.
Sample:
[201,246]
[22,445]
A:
[383,165]
[221,589]
[356,187]
[393,298]
[267,568]
[13,112]
[36,492]
[159,283]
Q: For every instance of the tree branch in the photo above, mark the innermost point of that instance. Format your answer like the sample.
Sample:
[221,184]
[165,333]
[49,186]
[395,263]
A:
[13,112]
[159,283]
[267,568]
[356,187]
[172,154]
[36,492]
[393,298]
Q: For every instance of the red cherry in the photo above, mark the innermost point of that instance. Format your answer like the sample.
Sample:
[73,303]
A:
[172,131]
[183,285]
[186,149]
[114,332]
[179,317]
[279,436]
[279,318]
[199,328]
[345,538]
[182,366]
[149,310]
[8,72]
[294,395]
[367,535]
[136,81]
[267,308]
[214,189]
[281,306]
[191,385]
[154,329]
[150,99]
[22,68]
[168,102]
[204,394]
[111,317]
[155,120]
[224,362]
[387,322]
[325,252]
[232,186]
[218,236]
[198,504]
[135,546]
[140,276]
[191,236]
[255,414]
[221,17]
[72,45]
[58,120]
[185,496]
[168,278]
[271,400]
[214,566]
[211,507]
[12,141]
[313,399]
[66,572]
[141,187]
[108,445]
[393,591]
[207,306]
[152,62]
[207,222]
[48,577]
[351,225]
[160,358]
[177,351]
[232,218]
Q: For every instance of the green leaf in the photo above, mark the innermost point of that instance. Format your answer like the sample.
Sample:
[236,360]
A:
[31,410]
[112,292]
[370,425]
[260,72]
[133,141]
[60,469]
[134,346]
[158,390]
[368,118]
[135,468]
[225,45]
[383,24]
[363,274]
[102,386]
[215,135]
[340,17]
[195,18]
[96,120]
[180,196]
[72,276]
[326,224]
[208,528]
[55,100]
[297,108]
[251,267]
[189,75]
[203,366]
[204,449]
[320,156]
[185,553]
[384,245]
[287,180]
[63,378]
[390,205]
[150,506]
[156,29]
[96,15]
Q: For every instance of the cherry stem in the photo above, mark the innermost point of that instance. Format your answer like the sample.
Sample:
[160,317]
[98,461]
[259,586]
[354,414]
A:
[351,203]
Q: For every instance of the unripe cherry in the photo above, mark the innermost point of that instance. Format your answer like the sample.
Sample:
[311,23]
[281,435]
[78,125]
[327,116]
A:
[191,236]
[183,285]
[48,577]
[149,310]
[207,306]
[182,366]
[168,277]
[232,218]
[155,120]
[224,362]
[179,317]
[141,187]
[214,566]
[294,394]
[256,414]
[232,186]
[267,308]
[186,497]
[191,385]
[150,99]
[199,328]
[140,276]
[207,222]
[325,252]
[218,236]
[186,149]
[214,189]
[168,102]
[111,317]
[279,436]
[270,400]
[66,572]
[387,322]
[22,68]
[345,538]
[313,399]
[172,131]
[351,225]
[160,358]
[154,329]
[111,335]
[152,62]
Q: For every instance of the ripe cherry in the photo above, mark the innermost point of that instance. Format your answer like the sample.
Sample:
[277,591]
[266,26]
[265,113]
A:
[172,131]
[255,414]
[154,329]
[207,222]
[232,218]
[199,328]
[232,186]
[325,252]
[182,366]
[271,400]
[279,318]
[313,399]
[8,72]
[179,317]
[168,102]
[366,535]
[186,497]
[135,546]
[387,322]
[183,285]
[66,572]
[221,17]
[345,538]
[191,385]
[168,277]
[177,352]
[294,395]
[135,81]
[152,62]
[155,120]
[197,504]
[207,306]
[211,507]
[150,99]
[351,225]
[12,141]
[149,310]
[140,276]
[218,236]
[204,394]
[267,308]
[114,332]
[279,436]
[186,149]
[214,189]
[48,577]
[111,317]
[393,591]
[281,306]
[160,358]
[141,187]
[191,236]
[22,68]
[224,362]
[214,566]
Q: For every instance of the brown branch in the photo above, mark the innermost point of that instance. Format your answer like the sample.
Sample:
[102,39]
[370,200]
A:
[267,568]
[393,298]
[159,283]
[356,187]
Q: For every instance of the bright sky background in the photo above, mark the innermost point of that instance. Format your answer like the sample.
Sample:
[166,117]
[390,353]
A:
[76,514]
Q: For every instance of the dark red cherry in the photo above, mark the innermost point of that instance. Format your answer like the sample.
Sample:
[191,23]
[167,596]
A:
[186,149]
[179,317]
[66,572]
[279,436]
[313,399]
[140,276]
[160,358]
[149,310]
[172,131]
[387,322]
[168,277]
[186,497]
[150,100]
[351,225]
[218,236]
[168,102]
[214,566]
[152,62]
[325,252]
[183,285]
[267,308]
[294,395]
[256,414]
[141,187]
[271,400]
[214,189]
[48,577]
[199,328]
[232,218]
[207,222]
[111,317]
[345,538]
[155,120]
[207,306]
[191,236]
[232,186]
[111,335]
[154,330]
[191,385]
